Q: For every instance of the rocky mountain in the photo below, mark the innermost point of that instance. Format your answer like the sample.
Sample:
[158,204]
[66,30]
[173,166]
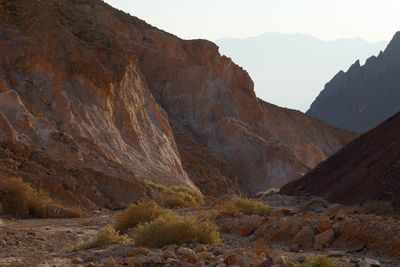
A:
[290,69]
[99,91]
[366,169]
[364,96]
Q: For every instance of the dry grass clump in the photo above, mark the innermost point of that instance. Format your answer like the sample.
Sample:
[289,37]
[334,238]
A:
[175,196]
[252,206]
[317,261]
[171,229]
[136,214]
[242,204]
[107,236]
[21,200]
[269,192]
[378,207]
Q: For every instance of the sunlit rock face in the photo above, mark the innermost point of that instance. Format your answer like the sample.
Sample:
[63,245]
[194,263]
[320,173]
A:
[98,89]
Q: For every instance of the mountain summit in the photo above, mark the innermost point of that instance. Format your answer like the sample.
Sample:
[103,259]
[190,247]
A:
[364,96]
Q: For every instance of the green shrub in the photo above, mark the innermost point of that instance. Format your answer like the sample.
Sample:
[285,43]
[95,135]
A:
[171,229]
[136,214]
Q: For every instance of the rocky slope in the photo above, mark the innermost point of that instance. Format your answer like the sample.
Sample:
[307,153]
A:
[103,91]
[364,96]
[366,169]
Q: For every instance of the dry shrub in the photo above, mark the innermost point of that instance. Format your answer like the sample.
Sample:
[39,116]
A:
[19,200]
[378,207]
[136,214]
[269,192]
[317,261]
[242,204]
[171,229]
[175,196]
[107,236]
[252,206]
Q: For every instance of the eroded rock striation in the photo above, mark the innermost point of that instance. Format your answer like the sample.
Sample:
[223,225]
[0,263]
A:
[94,88]
[364,96]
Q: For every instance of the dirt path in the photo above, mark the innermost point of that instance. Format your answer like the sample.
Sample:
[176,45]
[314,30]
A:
[36,241]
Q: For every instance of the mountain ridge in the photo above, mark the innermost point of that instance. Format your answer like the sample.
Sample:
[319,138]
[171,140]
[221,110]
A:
[365,95]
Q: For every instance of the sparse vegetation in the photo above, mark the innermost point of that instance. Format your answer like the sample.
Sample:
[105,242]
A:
[175,196]
[317,261]
[136,214]
[252,206]
[316,204]
[242,204]
[20,200]
[271,191]
[107,236]
[173,229]
[378,207]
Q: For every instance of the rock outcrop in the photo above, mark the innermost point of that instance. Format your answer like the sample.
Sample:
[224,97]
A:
[364,96]
[97,89]
[367,169]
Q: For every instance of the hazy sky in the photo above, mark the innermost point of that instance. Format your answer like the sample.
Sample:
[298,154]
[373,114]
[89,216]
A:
[373,20]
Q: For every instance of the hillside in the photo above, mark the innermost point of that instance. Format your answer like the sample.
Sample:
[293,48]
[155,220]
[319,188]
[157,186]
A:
[102,90]
[366,169]
[364,96]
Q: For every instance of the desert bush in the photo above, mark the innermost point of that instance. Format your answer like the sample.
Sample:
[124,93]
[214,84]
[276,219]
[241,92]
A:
[317,261]
[378,207]
[175,196]
[271,191]
[20,200]
[252,206]
[136,214]
[242,204]
[107,236]
[316,204]
[171,229]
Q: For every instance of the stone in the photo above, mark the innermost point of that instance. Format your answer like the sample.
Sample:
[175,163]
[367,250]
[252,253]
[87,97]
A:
[233,260]
[267,263]
[91,264]
[154,258]
[138,251]
[278,259]
[369,263]
[169,254]
[76,260]
[304,238]
[336,254]
[205,255]
[188,254]
[324,239]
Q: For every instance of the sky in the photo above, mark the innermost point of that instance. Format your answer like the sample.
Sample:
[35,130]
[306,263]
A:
[327,20]
[373,20]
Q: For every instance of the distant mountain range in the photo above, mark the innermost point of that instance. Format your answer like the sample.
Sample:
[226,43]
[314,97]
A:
[364,96]
[291,69]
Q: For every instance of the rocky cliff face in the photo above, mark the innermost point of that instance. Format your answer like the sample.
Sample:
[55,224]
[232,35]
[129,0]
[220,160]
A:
[364,96]
[101,90]
[366,169]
